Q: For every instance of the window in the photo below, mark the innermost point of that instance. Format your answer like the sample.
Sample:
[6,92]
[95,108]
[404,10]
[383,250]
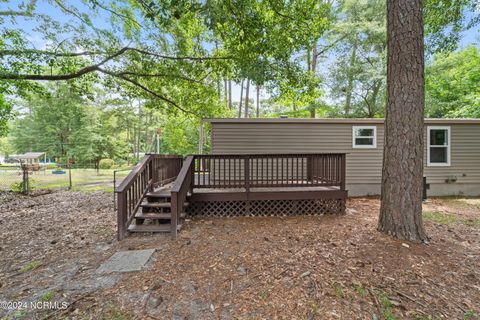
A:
[364,136]
[438,151]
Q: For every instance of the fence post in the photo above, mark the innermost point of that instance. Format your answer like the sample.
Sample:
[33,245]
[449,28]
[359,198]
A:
[114,193]
[69,176]
[25,178]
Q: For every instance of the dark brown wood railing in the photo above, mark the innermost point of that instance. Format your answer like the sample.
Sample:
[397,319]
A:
[221,172]
[269,170]
[151,171]
[182,186]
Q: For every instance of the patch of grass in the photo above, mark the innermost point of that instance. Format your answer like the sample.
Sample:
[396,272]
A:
[47,296]
[441,218]
[338,290]
[448,219]
[113,313]
[264,293]
[17,315]
[359,289]
[314,309]
[32,265]
[386,306]
[471,315]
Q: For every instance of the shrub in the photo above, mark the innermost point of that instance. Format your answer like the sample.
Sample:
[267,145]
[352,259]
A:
[18,186]
[51,166]
[106,164]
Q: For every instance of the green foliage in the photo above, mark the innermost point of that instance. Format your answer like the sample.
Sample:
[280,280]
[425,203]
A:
[445,20]
[47,296]
[449,219]
[179,54]
[106,164]
[32,265]
[386,306]
[452,84]
[471,315]
[358,78]
[18,187]
[5,113]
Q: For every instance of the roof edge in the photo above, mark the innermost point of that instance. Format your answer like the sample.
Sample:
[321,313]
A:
[336,120]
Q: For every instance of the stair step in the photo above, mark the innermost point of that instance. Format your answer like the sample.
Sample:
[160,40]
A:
[153,216]
[159,194]
[149,228]
[160,204]
[162,194]
[157,216]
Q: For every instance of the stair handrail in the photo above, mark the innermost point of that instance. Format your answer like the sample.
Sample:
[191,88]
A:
[142,179]
[182,185]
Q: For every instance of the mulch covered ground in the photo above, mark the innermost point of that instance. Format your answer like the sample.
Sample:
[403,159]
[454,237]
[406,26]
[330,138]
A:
[328,267]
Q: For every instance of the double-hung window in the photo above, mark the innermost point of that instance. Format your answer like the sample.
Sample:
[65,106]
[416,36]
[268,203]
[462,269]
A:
[364,137]
[438,146]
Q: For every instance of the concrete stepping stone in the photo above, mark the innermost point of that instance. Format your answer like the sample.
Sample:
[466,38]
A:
[127,261]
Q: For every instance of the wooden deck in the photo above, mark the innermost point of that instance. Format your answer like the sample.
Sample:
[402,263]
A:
[163,192]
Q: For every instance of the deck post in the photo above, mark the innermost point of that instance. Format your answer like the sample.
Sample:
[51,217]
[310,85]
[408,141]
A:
[247,183]
[343,171]
[121,215]
[309,168]
[193,182]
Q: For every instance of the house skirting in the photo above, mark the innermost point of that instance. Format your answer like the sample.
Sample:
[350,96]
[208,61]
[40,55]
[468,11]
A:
[435,190]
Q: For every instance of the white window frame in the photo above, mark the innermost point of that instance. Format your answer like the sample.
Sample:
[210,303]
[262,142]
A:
[363,146]
[449,145]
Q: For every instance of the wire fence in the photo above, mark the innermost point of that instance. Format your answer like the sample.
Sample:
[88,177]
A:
[25,178]
[11,177]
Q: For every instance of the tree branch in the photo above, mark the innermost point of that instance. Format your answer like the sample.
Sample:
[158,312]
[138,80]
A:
[85,53]
[157,75]
[69,76]
[153,93]
[97,3]
[28,12]
[48,53]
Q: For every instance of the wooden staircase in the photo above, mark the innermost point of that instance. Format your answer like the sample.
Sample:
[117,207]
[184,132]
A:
[155,212]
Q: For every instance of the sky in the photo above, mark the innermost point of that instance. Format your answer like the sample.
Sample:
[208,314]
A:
[469,37]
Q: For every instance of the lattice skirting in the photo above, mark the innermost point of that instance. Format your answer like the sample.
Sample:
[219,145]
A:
[266,207]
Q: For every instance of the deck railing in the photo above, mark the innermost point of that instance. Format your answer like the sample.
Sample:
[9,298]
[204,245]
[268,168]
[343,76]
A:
[269,170]
[151,171]
[182,186]
[221,172]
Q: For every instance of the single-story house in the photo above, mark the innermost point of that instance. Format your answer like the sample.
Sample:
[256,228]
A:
[452,148]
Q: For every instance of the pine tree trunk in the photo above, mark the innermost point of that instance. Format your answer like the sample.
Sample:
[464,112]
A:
[246,98]
[401,208]
[241,97]
[313,68]
[230,94]
[258,101]
[225,92]
[349,93]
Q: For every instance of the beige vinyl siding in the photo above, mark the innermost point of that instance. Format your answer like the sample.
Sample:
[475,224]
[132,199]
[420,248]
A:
[364,166]
[465,156]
